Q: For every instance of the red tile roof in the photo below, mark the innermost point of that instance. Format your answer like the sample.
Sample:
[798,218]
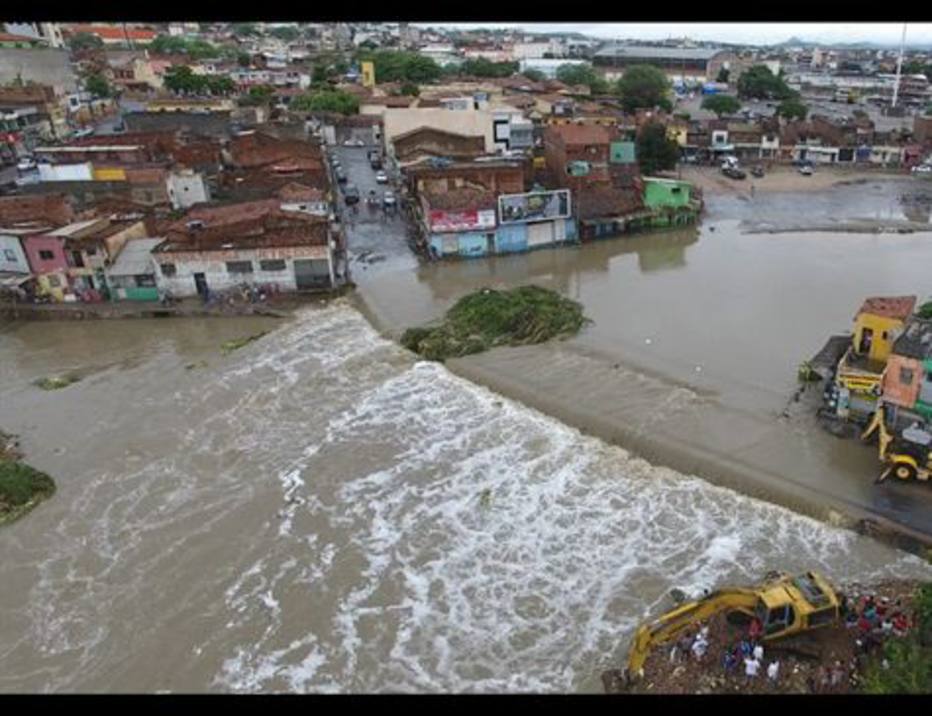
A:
[258,150]
[460,199]
[106,32]
[595,203]
[889,306]
[299,192]
[248,225]
[572,134]
[49,208]
[8,37]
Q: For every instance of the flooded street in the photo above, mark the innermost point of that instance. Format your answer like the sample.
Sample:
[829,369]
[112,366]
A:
[319,512]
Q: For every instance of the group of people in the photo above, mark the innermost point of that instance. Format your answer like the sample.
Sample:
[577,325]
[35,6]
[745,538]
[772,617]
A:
[748,652]
[874,619]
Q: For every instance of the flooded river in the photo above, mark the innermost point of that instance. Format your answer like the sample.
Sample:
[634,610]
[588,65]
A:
[317,511]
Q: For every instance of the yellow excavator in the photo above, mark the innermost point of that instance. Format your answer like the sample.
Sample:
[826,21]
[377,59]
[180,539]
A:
[907,457]
[784,604]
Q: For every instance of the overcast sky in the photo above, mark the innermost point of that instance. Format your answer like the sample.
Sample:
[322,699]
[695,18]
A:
[738,32]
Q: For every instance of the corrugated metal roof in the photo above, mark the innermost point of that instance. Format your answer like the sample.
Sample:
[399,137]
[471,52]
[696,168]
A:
[135,258]
[655,53]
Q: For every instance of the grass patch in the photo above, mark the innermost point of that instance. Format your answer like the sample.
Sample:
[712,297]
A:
[56,382]
[908,660]
[21,488]
[489,318]
[237,343]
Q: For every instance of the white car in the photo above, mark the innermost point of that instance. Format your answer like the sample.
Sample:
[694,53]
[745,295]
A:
[381,177]
[806,170]
[922,169]
[26,164]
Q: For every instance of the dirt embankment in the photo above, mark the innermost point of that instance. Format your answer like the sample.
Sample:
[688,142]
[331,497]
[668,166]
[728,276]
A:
[781,179]
[828,660]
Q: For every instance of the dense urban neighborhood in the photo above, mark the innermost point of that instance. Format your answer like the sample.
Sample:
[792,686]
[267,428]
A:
[489,365]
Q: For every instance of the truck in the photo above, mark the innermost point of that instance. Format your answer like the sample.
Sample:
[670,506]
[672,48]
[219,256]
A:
[786,606]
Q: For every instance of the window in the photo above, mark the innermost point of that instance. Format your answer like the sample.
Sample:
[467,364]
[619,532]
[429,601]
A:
[675,190]
[46,255]
[272,265]
[168,269]
[9,255]
[239,266]
[906,376]
[145,280]
[91,251]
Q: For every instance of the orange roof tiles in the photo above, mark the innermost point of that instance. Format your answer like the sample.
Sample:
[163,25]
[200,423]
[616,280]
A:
[889,306]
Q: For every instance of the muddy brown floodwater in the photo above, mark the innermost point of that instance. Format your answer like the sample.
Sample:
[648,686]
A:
[317,511]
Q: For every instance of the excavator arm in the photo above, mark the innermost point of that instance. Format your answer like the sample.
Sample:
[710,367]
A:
[675,622]
[879,423]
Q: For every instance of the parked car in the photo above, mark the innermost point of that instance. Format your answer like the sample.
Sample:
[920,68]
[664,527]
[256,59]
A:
[350,194]
[757,172]
[734,173]
[806,170]
[381,177]
[341,176]
[922,169]
[26,164]
[389,201]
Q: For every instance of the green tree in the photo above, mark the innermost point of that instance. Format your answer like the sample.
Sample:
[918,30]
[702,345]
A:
[409,89]
[327,101]
[85,41]
[167,45]
[644,86]
[97,85]
[398,66]
[243,59]
[481,67]
[200,50]
[244,29]
[760,83]
[656,152]
[220,84]
[319,74]
[288,34]
[721,104]
[723,75]
[582,75]
[534,75]
[792,108]
[182,80]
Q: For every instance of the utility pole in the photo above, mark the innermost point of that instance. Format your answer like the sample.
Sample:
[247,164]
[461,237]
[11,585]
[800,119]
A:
[899,67]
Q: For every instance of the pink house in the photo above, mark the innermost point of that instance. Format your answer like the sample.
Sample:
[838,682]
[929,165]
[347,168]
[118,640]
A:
[46,254]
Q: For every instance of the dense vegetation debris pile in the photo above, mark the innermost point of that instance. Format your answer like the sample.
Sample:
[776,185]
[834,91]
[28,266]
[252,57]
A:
[489,318]
[56,382]
[237,343]
[21,486]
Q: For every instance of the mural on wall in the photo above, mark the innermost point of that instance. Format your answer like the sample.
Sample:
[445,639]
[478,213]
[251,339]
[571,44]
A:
[534,206]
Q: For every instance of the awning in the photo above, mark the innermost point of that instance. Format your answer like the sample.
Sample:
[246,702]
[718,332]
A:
[14,281]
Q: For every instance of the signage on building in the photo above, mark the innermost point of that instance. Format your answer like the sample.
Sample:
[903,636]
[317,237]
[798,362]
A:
[535,206]
[461,220]
[368,74]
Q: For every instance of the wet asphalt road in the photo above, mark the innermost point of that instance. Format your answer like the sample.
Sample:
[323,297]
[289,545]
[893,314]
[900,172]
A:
[377,240]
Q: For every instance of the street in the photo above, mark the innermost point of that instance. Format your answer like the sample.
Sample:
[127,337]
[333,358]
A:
[376,239]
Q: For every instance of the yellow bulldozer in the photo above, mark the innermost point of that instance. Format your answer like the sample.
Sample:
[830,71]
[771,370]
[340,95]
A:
[784,604]
[907,456]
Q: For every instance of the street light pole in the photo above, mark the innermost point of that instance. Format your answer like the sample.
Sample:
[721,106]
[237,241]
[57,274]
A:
[899,67]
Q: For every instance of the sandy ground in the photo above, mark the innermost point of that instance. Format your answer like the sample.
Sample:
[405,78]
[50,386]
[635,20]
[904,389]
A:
[780,179]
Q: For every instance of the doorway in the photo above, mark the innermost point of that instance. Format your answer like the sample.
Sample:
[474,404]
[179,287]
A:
[200,283]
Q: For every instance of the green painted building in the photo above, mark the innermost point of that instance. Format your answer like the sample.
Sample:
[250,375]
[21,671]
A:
[670,201]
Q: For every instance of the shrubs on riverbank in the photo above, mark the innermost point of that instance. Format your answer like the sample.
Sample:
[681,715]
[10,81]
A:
[489,318]
[905,666]
[21,486]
